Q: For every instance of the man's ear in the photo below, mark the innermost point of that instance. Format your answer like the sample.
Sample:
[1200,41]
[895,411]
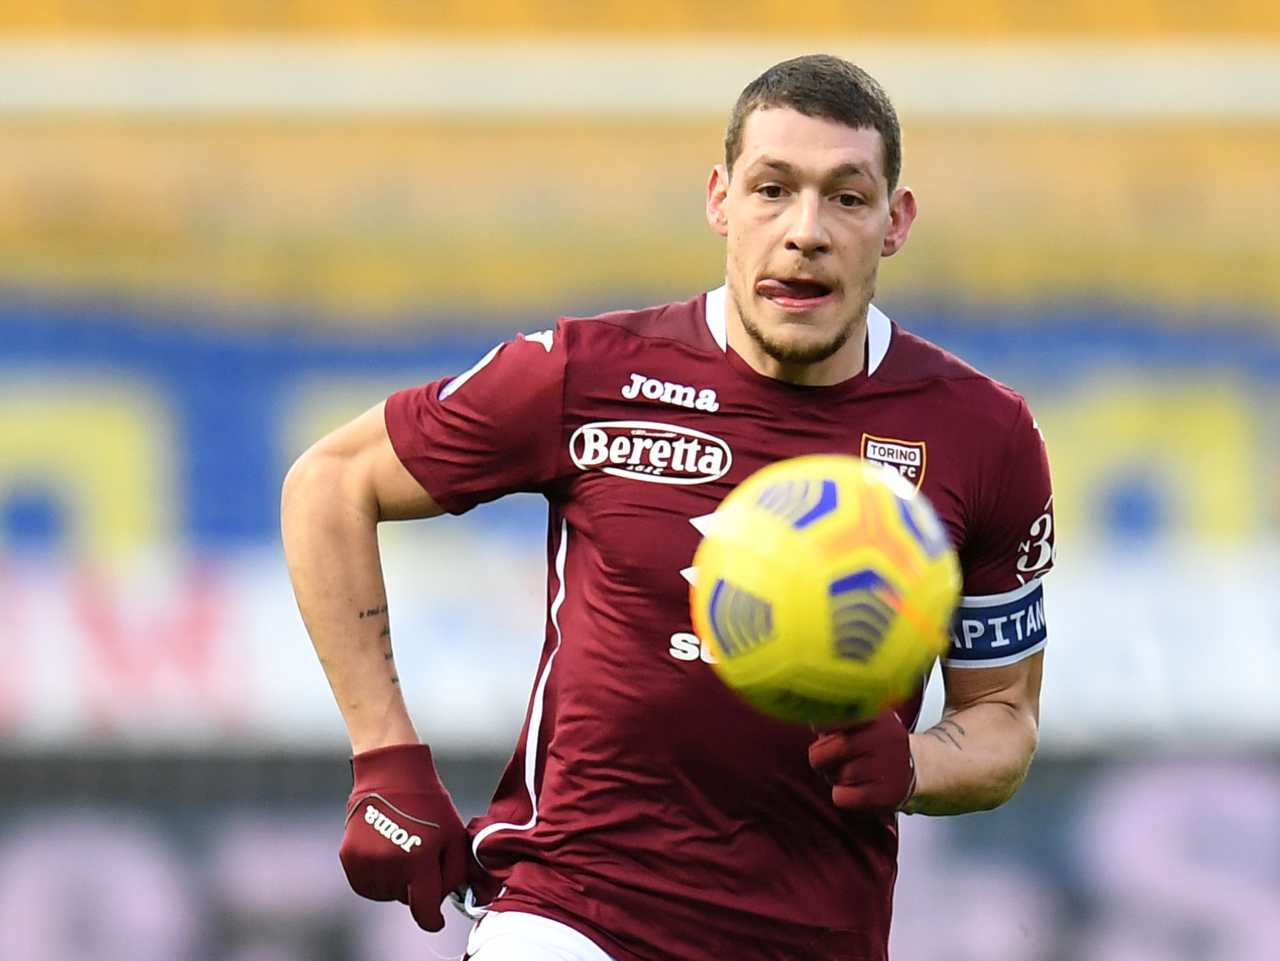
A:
[717,194]
[902,214]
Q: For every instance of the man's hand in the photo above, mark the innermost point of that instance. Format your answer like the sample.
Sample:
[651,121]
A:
[869,765]
[404,840]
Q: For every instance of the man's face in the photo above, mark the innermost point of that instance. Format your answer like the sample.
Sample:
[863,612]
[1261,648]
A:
[806,216]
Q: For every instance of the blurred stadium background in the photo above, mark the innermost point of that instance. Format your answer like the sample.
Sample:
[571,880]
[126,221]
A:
[226,226]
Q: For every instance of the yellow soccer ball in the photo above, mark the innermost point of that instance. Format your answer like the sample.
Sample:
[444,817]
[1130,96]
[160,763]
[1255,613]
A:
[825,589]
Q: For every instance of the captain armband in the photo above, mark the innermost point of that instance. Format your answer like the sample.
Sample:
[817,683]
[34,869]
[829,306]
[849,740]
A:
[998,629]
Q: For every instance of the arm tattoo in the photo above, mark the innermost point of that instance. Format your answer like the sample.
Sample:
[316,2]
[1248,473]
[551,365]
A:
[944,737]
[948,722]
[385,635]
[942,731]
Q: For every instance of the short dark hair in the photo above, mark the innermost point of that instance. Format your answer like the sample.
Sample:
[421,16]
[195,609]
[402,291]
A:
[820,85]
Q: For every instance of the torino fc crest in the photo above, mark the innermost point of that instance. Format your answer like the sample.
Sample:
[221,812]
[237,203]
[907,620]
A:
[907,457]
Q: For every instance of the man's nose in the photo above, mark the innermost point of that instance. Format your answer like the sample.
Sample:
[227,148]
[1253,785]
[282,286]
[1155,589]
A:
[807,234]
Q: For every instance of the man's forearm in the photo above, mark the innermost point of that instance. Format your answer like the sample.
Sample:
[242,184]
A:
[329,529]
[972,760]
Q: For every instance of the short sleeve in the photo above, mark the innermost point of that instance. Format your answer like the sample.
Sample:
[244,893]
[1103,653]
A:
[1015,540]
[1001,615]
[490,431]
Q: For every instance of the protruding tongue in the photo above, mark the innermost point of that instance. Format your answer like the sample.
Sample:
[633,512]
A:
[798,289]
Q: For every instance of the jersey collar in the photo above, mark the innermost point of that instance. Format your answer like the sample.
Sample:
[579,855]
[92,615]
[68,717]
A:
[879,327]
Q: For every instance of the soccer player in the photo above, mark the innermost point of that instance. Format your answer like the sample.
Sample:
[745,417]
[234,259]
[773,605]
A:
[647,812]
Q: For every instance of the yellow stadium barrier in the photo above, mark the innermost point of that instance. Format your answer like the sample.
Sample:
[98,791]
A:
[389,216]
[973,18]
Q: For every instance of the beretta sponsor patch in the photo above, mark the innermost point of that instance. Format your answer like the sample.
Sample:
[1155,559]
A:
[907,457]
[650,451]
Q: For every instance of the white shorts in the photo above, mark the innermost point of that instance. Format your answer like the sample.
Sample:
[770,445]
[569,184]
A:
[515,936]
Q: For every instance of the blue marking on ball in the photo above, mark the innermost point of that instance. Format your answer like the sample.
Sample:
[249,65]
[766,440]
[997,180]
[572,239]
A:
[862,610]
[931,538]
[739,619]
[800,503]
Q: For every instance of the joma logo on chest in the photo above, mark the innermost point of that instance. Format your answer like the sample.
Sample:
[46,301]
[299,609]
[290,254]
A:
[665,392]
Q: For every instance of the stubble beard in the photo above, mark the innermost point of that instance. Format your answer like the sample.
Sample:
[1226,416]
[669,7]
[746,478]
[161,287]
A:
[800,354]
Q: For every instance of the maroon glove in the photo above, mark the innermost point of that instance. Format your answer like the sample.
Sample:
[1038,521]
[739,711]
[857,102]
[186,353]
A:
[869,765]
[404,840]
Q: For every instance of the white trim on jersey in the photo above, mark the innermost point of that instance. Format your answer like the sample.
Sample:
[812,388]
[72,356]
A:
[717,319]
[879,329]
[535,711]
[1008,597]
[466,375]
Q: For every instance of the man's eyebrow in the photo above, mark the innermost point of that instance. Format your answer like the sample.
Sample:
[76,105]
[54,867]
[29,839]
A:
[842,172]
[779,165]
[845,171]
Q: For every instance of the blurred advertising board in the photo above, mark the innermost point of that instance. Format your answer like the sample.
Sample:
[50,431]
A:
[143,596]
[209,652]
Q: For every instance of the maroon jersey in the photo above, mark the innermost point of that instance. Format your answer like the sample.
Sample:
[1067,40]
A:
[645,805]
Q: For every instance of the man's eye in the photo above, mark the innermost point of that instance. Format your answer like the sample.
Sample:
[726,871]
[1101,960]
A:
[849,200]
[770,191]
